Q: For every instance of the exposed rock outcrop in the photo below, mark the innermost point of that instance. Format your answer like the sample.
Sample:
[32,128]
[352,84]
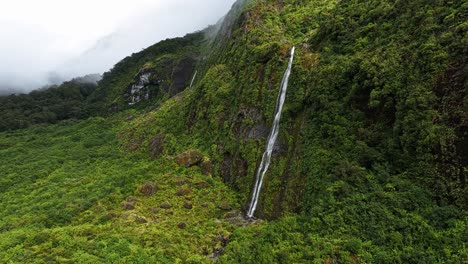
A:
[139,91]
[148,188]
[189,158]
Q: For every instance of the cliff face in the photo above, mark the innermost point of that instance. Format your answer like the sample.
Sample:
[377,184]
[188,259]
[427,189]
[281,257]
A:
[363,101]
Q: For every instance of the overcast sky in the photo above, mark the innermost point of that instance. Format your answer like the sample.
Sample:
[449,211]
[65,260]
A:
[76,37]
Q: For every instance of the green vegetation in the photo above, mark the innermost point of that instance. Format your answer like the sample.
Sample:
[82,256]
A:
[170,62]
[47,106]
[370,166]
[64,188]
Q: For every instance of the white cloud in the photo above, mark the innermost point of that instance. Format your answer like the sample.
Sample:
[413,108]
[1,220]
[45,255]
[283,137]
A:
[41,36]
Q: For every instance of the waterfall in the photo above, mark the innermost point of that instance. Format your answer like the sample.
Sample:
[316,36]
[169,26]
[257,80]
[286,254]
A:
[193,79]
[266,157]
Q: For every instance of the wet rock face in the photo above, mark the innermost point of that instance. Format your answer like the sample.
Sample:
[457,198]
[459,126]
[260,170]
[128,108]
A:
[233,167]
[139,90]
[182,75]
[165,76]
[257,131]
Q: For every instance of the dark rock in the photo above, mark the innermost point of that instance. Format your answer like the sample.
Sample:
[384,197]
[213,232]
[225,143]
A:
[128,206]
[188,206]
[140,219]
[233,167]
[139,89]
[243,130]
[279,149]
[182,225]
[183,191]
[182,75]
[156,147]
[148,188]
[166,205]
[206,167]
[258,132]
[189,158]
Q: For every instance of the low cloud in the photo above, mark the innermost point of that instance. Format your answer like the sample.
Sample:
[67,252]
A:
[33,56]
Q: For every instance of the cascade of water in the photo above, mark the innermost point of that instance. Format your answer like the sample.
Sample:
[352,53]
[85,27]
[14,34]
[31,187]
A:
[266,157]
[193,79]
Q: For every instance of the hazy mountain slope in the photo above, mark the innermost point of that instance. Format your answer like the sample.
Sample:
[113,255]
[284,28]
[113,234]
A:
[365,139]
[170,65]
[47,105]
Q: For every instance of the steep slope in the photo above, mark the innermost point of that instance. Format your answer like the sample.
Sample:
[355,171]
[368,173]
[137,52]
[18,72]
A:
[369,167]
[364,93]
[368,144]
[157,73]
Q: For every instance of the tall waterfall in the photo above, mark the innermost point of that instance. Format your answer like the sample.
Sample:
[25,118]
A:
[193,79]
[266,157]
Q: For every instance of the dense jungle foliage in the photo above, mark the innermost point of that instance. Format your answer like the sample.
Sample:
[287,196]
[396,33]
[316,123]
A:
[370,165]
[46,106]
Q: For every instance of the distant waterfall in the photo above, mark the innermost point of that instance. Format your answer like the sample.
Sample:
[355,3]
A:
[266,157]
[193,79]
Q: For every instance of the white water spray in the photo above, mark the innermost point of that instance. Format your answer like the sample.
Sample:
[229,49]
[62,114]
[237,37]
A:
[193,79]
[266,157]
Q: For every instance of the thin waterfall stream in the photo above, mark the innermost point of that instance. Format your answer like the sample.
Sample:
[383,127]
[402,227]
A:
[193,79]
[266,157]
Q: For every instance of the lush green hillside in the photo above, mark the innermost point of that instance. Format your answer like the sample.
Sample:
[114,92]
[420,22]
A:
[170,64]
[46,106]
[70,194]
[370,166]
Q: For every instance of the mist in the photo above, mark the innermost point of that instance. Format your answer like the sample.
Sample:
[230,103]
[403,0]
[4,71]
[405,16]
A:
[35,52]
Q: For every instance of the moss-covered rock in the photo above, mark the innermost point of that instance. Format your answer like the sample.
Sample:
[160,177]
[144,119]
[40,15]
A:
[148,188]
[189,158]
